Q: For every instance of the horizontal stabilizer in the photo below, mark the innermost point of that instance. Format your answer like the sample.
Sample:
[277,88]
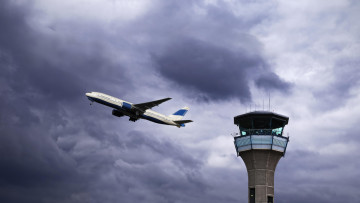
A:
[183,121]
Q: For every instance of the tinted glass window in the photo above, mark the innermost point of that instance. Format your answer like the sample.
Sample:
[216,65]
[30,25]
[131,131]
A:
[277,131]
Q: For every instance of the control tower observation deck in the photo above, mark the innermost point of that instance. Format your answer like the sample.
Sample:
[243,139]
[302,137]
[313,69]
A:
[261,144]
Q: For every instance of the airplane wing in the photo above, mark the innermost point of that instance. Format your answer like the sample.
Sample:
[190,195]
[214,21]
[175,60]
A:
[149,105]
[183,121]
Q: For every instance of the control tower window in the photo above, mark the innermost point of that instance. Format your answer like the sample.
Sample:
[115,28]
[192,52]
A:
[243,131]
[277,131]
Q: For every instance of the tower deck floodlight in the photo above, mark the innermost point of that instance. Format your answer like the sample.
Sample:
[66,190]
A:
[261,144]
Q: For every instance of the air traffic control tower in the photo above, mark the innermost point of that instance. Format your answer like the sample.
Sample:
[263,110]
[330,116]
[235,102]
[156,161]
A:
[261,144]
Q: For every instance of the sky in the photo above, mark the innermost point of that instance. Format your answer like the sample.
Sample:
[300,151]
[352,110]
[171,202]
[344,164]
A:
[220,58]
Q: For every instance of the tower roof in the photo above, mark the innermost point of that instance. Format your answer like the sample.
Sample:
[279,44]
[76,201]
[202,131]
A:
[261,119]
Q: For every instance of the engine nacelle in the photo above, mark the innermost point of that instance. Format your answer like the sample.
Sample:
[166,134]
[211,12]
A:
[117,113]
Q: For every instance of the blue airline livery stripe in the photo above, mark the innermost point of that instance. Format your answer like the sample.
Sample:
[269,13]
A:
[126,105]
[181,112]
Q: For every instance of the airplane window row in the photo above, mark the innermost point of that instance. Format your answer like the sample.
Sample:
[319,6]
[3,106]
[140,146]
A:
[109,98]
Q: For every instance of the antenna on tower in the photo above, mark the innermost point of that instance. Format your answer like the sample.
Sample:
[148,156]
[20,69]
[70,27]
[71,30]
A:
[269,101]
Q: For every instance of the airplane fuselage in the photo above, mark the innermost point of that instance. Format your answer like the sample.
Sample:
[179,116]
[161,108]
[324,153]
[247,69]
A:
[124,108]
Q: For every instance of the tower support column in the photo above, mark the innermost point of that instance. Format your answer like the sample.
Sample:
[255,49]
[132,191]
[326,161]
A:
[260,165]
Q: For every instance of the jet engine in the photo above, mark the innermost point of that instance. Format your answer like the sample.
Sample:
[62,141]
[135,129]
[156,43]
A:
[117,113]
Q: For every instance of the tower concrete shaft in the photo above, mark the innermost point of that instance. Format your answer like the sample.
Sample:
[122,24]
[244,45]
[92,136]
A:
[260,165]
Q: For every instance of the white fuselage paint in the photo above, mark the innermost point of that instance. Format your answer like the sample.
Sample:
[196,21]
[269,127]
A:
[118,104]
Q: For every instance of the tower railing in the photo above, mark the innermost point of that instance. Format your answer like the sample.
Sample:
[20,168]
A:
[267,139]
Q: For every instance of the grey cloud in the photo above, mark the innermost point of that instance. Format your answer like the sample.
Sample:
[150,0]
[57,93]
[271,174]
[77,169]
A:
[41,81]
[314,177]
[214,73]
[136,140]
[49,63]
[270,81]
[151,170]
[207,54]
[52,149]
[220,40]
[338,92]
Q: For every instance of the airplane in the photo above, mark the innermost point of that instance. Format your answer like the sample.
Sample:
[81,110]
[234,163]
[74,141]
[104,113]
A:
[137,111]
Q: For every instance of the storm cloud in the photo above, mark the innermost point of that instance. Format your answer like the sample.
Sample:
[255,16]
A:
[215,73]
[54,147]
[51,149]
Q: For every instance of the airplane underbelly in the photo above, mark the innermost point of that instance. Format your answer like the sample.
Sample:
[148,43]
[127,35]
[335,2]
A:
[155,120]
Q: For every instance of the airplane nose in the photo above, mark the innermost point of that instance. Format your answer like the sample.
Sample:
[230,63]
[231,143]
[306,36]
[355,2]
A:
[87,94]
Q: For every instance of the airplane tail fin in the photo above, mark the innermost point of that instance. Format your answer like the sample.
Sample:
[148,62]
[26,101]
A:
[178,115]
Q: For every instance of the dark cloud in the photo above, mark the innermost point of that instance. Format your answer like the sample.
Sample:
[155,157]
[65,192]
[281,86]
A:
[43,83]
[52,149]
[211,72]
[270,81]
[208,52]
[215,73]
[140,168]
[49,63]
[315,177]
